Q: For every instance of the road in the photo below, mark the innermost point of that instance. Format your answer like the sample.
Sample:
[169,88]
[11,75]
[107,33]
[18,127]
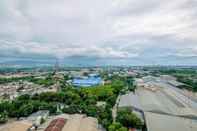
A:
[114,109]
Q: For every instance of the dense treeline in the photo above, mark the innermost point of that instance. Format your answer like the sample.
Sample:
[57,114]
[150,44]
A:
[71,100]
[74,100]
[186,76]
[190,83]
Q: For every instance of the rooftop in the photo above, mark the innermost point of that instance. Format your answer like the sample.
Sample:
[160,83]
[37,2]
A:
[87,81]
[159,122]
[56,125]
[66,122]
[17,126]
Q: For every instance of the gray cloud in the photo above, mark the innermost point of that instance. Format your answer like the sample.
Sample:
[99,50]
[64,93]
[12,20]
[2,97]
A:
[113,29]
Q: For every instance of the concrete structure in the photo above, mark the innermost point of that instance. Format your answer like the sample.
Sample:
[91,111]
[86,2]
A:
[81,123]
[16,126]
[167,77]
[163,106]
[130,100]
[75,122]
[159,122]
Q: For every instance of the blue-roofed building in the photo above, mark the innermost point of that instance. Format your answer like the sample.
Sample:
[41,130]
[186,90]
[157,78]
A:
[91,80]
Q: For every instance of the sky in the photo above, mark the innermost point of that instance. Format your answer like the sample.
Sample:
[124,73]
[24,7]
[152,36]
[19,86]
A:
[99,32]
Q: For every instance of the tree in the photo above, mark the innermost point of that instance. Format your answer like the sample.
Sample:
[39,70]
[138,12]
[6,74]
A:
[122,129]
[91,110]
[72,98]
[116,127]
[105,123]
[117,85]
[111,100]
[66,77]
[52,107]
[24,97]
[72,109]
[3,117]
[130,84]
[90,100]
[25,110]
[129,119]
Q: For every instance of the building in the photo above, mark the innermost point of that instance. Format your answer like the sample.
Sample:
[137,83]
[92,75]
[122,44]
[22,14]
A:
[56,125]
[91,80]
[161,122]
[163,109]
[81,123]
[17,126]
[76,122]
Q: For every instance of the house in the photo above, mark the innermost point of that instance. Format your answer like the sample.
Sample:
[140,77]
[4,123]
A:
[56,125]
[75,122]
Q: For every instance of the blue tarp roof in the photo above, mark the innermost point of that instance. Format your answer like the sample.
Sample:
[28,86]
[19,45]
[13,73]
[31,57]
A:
[85,82]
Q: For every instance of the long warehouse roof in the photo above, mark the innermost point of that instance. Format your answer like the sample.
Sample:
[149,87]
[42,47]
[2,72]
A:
[158,122]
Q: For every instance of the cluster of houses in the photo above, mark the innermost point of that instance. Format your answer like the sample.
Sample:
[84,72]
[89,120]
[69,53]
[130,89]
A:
[14,89]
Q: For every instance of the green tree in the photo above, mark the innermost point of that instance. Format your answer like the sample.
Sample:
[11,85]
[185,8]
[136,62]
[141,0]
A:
[117,127]
[91,110]
[3,117]
[25,110]
[72,109]
[24,97]
[129,119]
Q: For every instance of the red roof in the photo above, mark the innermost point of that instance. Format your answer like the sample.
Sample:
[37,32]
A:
[56,125]
[132,129]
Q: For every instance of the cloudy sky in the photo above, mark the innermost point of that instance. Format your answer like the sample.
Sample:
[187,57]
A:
[99,32]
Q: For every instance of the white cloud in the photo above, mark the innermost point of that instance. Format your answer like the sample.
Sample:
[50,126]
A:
[104,29]
[60,51]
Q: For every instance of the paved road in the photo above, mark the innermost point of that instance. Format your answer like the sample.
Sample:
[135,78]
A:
[114,110]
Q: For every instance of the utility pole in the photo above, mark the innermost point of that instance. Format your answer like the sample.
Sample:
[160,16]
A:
[55,73]
[56,66]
